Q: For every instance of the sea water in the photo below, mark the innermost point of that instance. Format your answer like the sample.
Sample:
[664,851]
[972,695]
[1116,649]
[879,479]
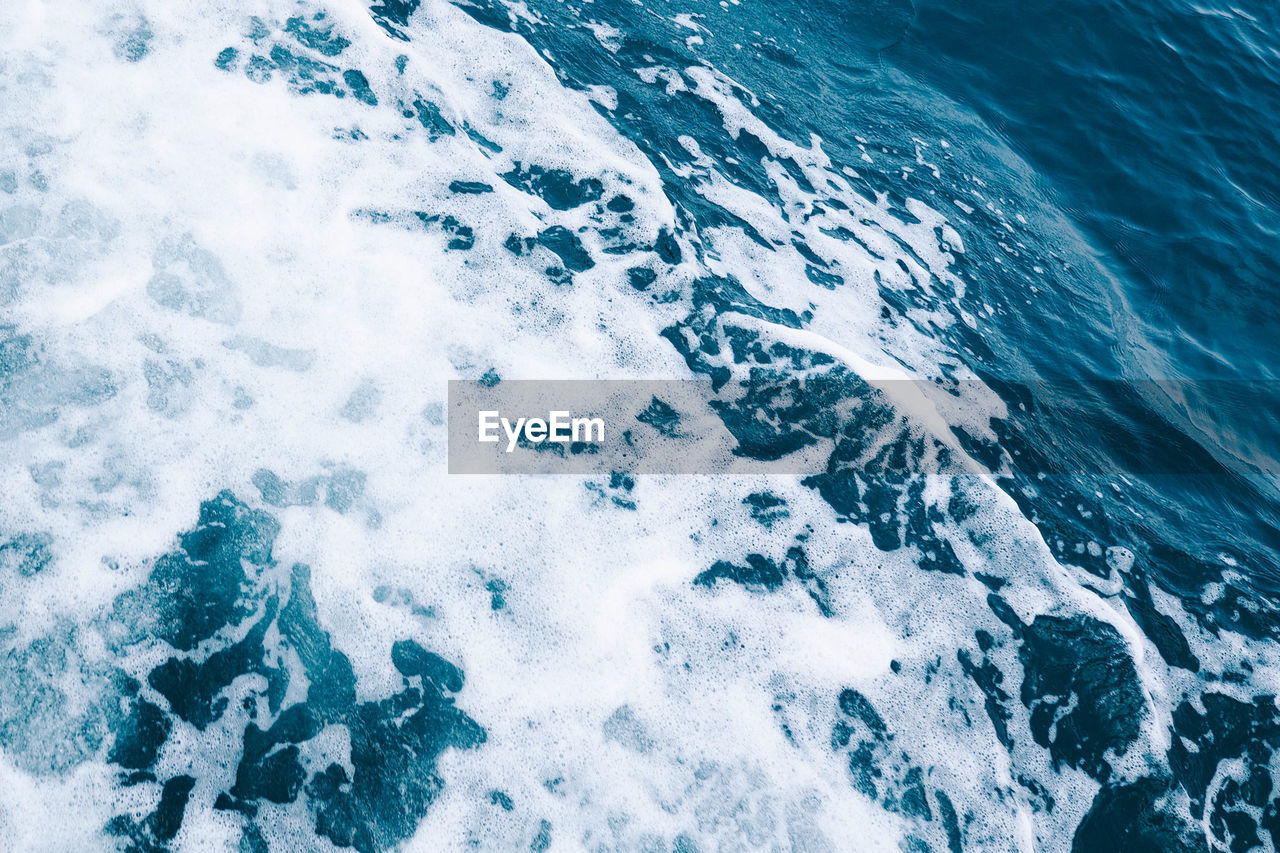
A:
[1027,603]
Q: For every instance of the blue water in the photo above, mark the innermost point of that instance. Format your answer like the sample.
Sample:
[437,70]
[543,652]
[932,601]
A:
[239,601]
[1143,136]
[1153,128]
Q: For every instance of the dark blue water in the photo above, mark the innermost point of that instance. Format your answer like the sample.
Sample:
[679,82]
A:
[1154,128]
[1137,141]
